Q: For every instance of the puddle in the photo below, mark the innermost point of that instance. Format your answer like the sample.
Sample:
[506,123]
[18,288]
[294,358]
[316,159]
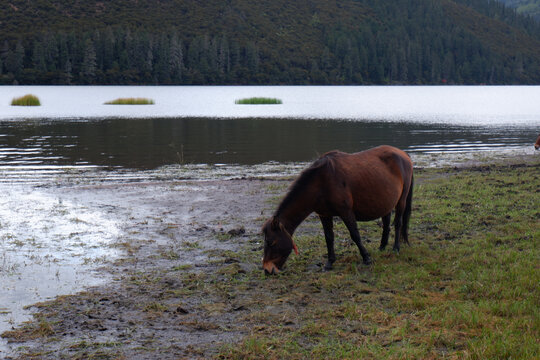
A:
[48,246]
[54,235]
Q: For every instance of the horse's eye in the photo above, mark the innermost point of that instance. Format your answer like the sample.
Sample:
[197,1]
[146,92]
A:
[270,243]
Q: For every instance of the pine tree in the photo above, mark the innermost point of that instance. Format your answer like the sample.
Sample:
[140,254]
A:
[38,57]
[108,48]
[63,51]
[448,68]
[148,64]
[252,57]
[176,58]
[67,75]
[50,47]
[88,67]
[15,59]
[127,54]
[223,56]
[162,62]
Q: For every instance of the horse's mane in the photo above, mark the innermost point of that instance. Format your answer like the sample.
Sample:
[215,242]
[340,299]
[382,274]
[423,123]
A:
[326,161]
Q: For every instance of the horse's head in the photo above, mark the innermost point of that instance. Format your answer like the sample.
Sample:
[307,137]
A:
[278,244]
[537,144]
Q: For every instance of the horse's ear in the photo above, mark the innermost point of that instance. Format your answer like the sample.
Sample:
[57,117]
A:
[275,223]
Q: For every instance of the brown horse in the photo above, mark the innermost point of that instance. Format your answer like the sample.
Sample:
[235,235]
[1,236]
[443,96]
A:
[537,143]
[356,187]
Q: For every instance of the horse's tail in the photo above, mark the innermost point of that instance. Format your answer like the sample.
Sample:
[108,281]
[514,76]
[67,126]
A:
[407,214]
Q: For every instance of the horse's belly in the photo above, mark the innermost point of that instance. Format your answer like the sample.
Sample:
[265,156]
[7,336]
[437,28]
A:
[363,217]
[373,206]
[371,214]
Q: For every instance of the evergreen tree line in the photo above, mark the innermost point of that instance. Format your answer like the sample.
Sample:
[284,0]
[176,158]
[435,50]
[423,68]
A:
[420,45]
[430,51]
[115,56]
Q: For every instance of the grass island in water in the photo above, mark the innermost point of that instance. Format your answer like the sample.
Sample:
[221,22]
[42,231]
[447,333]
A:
[258,101]
[131,101]
[26,100]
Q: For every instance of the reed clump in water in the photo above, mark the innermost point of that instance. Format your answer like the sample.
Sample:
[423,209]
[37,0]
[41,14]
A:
[258,101]
[131,101]
[26,100]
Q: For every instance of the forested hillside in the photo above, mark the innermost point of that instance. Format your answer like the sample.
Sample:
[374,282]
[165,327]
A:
[526,7]
[267,42]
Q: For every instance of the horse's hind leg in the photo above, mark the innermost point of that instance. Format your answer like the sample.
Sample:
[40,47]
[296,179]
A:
[328,227]
[350,222]
[386,231]
[398,220]
[407,214]
[404,231]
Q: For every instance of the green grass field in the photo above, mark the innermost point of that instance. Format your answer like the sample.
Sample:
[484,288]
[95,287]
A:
[467,288]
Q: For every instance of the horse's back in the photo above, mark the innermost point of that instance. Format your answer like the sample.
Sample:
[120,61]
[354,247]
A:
[379,162]
[372,182]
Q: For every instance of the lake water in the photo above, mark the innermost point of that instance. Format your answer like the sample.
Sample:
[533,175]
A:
[202,125]
[465,105]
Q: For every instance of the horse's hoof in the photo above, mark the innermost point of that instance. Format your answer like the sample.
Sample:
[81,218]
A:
[396,250]
[328,266]
[381,248]
[367,261]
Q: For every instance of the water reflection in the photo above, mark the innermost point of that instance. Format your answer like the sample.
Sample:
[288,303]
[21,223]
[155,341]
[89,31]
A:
[151,143]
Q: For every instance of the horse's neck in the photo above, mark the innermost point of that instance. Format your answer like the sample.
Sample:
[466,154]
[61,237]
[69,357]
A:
[297,210]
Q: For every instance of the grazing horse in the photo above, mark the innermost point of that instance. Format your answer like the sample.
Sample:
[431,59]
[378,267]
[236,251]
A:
[537,143]
[356,187]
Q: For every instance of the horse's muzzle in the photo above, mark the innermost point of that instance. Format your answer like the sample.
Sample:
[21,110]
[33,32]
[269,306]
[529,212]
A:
[270,268]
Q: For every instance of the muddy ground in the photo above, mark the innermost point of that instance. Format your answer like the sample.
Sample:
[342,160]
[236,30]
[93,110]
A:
[154,303]
[145,311]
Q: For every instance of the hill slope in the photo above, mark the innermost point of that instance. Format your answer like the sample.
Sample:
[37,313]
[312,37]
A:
[268,42]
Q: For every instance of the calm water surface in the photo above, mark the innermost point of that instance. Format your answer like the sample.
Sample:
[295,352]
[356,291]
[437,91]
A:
[150,143]
[465,105]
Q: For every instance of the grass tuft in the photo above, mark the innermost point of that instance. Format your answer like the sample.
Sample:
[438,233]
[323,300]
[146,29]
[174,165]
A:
[131,101]
[258,101]
[26,100]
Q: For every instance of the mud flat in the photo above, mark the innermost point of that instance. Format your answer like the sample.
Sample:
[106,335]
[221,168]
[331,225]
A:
[157,231]
[171,269]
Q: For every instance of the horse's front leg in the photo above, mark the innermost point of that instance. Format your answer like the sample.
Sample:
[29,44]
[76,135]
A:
[350,222]
[328,227]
